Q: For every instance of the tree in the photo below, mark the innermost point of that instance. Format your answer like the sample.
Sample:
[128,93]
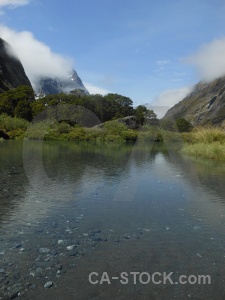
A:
[37,107]
[23,110]
[151,118]
[183,125]
[139,113]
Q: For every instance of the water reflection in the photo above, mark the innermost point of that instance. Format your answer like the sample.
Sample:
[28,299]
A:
[170,207]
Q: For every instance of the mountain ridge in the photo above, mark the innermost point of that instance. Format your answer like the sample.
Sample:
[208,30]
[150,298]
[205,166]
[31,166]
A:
[12,73]
[204,105]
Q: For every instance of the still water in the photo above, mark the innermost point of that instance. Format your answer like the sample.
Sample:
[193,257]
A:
[67,210]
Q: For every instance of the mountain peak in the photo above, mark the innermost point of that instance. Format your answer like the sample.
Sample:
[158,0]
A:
[55,85]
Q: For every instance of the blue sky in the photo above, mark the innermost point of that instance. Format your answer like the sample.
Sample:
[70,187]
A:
[142,49]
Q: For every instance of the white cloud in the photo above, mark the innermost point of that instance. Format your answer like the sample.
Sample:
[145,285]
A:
[37,58]
[161,65]
[209,60]
[12,4]
[167,99]
[92,89]
[163,62]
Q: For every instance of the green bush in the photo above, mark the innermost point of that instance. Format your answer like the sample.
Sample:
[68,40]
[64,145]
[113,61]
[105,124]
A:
[76,134]
[113,138]
[41,130]
[63,128]
[114,127]
[129,135]
[168,125]
[16,134]
[8,123]
[183,125]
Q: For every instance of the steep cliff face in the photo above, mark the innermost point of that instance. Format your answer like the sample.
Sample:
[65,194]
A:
[70,84]
[12,73]
[204,105]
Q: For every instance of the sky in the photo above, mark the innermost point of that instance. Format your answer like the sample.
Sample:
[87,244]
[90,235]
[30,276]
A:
[151,51]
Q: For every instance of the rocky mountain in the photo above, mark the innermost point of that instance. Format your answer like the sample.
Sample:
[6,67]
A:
[204,105]
[71,84]
[12,73]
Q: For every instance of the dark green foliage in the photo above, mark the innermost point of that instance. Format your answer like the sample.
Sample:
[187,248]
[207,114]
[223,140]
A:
[151,118]
[145,116]
[168,125]
[106,108]
[139,113]
[183,125]
[73,116]
[23,110]
[9,102]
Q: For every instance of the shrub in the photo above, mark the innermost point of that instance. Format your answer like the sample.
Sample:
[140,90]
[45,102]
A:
[63,128]
[168,125]
[16,134]
[115,127]
[129,135]
[8,123]
[76,134]
[183,125]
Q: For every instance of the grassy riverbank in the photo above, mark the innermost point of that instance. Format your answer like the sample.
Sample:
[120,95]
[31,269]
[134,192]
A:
[113,131]
[206,142]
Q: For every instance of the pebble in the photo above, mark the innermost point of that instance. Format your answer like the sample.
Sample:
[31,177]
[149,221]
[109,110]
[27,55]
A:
[48,284]
[39,270]
[199,255]
[70,247]
[73,252]
[60,242]
[44,250]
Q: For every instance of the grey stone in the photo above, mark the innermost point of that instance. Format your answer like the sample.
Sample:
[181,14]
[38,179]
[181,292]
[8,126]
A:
[73,252]
[48,284]
[44,250]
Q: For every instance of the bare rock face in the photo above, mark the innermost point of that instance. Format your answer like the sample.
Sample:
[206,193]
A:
[72,84]
[130,122]
[12,73]
[204,105]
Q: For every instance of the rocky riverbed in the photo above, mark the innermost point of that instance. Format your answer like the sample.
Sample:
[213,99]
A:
[40,256]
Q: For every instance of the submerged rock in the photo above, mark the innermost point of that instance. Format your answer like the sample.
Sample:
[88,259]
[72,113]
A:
[48,284]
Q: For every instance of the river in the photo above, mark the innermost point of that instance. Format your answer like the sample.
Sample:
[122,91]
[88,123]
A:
[85,221]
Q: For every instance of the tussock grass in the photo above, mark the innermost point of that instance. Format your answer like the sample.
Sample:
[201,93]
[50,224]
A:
[206,142]
[211,151]
[206,135]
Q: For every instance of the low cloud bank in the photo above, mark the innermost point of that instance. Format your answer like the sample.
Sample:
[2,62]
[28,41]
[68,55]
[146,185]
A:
[37,58]
[209,60]
[167,99]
